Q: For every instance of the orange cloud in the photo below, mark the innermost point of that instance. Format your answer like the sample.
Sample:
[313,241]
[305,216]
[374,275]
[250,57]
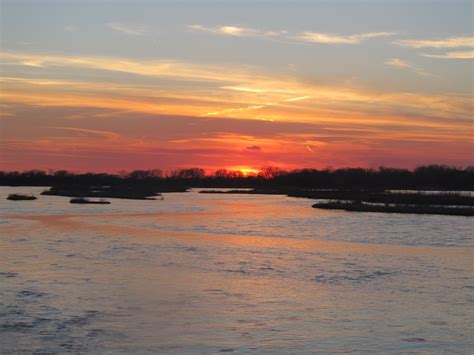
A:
[324,125]
[273,95]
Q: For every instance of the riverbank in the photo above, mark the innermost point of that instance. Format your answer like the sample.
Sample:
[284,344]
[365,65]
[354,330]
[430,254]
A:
[417,209]
[442,203]
[123,191]
[372,196]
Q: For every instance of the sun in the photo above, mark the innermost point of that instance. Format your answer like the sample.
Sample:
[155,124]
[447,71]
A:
[246,170]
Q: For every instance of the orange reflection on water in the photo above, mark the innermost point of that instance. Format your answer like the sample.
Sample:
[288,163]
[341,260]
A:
[113,224]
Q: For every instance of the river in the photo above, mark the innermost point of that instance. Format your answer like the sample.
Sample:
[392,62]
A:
[210,273]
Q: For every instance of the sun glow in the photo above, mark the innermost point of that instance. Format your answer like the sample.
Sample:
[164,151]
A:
[247,171]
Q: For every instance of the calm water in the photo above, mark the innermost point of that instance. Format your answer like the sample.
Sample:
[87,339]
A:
[230,273]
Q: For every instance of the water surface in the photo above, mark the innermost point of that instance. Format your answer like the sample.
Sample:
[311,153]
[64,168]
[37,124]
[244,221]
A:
[203,273]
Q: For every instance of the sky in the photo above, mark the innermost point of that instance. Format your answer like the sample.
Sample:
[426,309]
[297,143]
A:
[123,85]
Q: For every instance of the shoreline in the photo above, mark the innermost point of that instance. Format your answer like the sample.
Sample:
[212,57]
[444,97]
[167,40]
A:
[400,209]
[381,201]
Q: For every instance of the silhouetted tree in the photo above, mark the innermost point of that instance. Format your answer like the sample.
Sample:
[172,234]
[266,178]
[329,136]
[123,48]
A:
[228,174]
[270,172]
[188,174]
[144,174]
[423,177]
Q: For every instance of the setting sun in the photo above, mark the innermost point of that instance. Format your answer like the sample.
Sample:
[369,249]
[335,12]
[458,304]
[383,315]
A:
[245,177]
[247,171]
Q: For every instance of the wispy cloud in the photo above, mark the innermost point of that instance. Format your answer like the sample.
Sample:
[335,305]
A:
[236,110]
[255,107]
[134,30]
[238,31]
[270,34]
[326,38]
[402,64]
[33,63]
[71,28]
[254,147]
[299,98]
[399,63]
[235,31]
[310,37]
[229,91]
[451,42]
[452,55]
[94,132]
[244,89]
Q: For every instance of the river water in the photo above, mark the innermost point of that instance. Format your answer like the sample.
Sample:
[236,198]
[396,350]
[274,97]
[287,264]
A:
[208,273]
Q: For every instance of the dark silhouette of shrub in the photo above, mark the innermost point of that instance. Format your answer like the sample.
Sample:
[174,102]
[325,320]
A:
[435,177]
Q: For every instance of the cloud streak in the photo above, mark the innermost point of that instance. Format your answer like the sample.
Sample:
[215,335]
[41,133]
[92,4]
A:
[325,38]
[402,64]
[134,30]
[308,37]
[254,147]
[451,42]
[93,132]
[452,55]
[238,31]
[235,31]
[299,98]
[231,92]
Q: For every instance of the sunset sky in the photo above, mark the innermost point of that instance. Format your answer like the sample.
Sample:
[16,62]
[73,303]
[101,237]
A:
[122,85]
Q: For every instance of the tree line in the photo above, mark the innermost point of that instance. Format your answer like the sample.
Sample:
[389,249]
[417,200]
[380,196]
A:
[423,177]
